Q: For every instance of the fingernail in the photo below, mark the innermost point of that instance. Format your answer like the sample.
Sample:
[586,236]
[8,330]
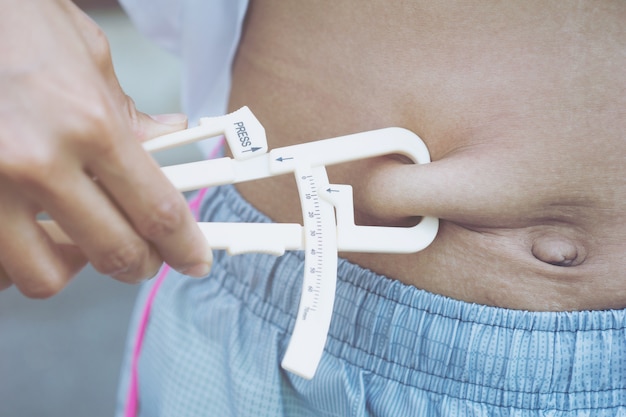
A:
[170,118]
[198,271]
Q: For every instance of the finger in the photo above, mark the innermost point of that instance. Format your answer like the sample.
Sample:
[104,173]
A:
[56,266]
[37,267]
[146,127]
[156,209]
[100,230]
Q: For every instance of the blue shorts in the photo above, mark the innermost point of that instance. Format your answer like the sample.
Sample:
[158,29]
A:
[213,347]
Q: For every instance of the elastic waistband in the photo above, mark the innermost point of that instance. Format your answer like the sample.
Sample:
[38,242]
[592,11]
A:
[494,356]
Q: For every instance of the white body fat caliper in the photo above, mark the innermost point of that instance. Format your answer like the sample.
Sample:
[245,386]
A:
[327,211]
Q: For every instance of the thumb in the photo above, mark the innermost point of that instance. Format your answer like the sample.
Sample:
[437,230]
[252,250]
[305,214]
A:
[150,126]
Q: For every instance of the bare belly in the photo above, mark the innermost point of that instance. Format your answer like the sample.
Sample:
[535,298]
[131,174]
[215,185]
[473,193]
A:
[522,111]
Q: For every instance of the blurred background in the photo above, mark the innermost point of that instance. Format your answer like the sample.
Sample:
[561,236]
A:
[61,356]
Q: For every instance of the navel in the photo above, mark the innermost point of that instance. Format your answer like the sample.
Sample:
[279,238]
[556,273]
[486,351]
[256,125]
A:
[555,249]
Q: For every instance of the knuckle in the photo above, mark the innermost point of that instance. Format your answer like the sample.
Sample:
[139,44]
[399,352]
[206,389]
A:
[87,131]
[98,43]
[91,33]
[123,260]
[164,218]
[30,168]
[94,119]
[94,134]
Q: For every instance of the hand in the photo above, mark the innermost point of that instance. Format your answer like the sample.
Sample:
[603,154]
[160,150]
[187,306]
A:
[70,146]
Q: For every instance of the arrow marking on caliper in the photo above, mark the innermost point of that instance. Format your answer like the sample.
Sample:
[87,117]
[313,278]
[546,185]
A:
[253,149]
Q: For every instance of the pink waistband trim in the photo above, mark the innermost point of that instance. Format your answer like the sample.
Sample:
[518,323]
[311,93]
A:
[132,401]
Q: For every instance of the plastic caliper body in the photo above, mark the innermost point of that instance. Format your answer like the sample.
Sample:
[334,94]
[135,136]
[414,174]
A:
[327,211]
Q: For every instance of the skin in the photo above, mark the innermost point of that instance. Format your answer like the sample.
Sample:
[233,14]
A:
[70,146]
[522,106]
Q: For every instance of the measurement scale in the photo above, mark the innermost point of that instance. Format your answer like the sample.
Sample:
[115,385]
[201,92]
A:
[327,211]
[320,275]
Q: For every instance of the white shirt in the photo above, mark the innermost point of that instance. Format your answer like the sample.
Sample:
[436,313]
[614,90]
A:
[204,34]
